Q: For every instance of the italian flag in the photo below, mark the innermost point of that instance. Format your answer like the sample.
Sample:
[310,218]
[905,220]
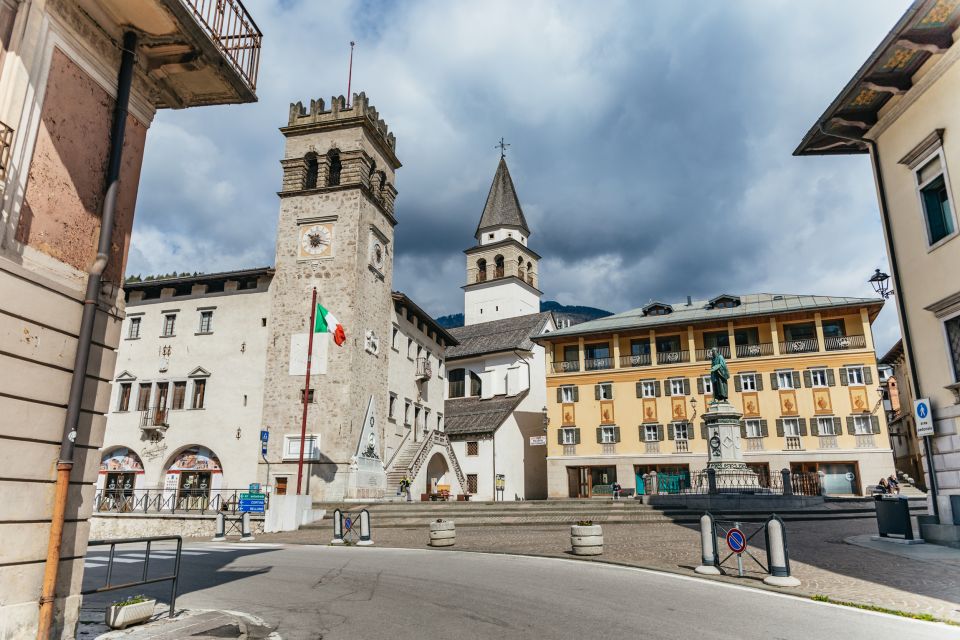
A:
[326,323]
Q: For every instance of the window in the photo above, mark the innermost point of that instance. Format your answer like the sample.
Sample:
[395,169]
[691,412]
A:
[855,375]
[746,336]
[668,344]
[410,348]
[650,433]
[834,328]
[935,200]
[568,394]
[791,427]
[406,412]
[393,339]
[648,388]
[473,448]
[680,431]
[206,322]
[639,347]
[952,327]
[804,331]
[199,388]
[753,428]
[608,435]
[597,356]
[309,396]
[568,436]
[713,339]
[291,448]
[748,382]
[335,167]
[124,399]
[169,322]
[818,377]
[825,427]
[471,483]
[133,332]
[416,416]
[861,425]
[571,354]
[476,387]
[605,391]
[439,422]
[312,169]
[179,394]
[263,323]
[456,382]
[707,385]
[785,379]
[676,387]
[392,407]
[143,396]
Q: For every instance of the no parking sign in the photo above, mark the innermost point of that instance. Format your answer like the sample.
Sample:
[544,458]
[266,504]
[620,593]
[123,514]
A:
[736,540]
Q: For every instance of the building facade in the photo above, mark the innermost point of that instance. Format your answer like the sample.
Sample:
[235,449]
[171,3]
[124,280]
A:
[625,392]
[65,138]
[900,108]
[907,446]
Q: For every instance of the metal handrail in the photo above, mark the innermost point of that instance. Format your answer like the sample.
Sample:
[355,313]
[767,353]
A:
[592,364]
[707,354]
[173,578]
[232,29]
[142,501]
[6,144]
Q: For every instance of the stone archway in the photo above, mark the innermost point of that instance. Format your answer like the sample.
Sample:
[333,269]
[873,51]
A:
[438,473]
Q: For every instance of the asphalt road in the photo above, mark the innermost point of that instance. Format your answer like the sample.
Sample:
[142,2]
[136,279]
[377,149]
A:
[312,592]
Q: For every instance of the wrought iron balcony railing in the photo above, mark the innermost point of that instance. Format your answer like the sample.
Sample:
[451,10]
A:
[755,350]
[231,28]
[154,417]
[839,343]
[707,354]
[639,360]
[803,345]
[671,357]
[592,364]
[565,366]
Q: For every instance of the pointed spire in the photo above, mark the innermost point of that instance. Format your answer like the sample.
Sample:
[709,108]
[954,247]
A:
[502,207]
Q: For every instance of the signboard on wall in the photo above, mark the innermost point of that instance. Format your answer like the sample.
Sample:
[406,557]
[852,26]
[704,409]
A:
[538,441]
[923,416]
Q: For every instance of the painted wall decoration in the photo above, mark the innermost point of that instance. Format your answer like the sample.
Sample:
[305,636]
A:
[649,410]
[606,413]
[679,407]
[569,415]
[821,401]
[121,459]
[858,399]
[788,403]
[196,459]
[751,404]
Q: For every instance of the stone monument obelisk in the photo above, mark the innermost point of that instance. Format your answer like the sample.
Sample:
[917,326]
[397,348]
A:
[723,434]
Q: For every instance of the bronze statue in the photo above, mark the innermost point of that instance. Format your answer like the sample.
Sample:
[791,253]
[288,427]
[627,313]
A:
[718,377]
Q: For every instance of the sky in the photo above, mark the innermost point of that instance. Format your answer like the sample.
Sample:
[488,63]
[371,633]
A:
[651,145]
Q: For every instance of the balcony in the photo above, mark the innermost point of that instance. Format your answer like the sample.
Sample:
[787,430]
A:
[569,449]
[828,442]
[639,360]
[651,447]
[840,343]
[682,446]
[754,444]
[154,418]
[593,364]
[865,441]
[672,357]
[566,366]
[703,355]
[792,443]
[802,345]
[609,448]
[424,369]
[234,32]
[755,350]
[6,142]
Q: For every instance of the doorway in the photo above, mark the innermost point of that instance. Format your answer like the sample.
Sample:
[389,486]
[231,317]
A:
[193,492]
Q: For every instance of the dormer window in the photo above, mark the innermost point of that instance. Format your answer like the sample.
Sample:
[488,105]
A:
[724,302]
[657,309]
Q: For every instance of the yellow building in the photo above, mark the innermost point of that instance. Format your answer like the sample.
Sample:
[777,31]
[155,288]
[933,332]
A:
[626,392]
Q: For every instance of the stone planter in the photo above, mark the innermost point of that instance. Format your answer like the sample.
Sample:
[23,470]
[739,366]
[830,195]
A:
[122,617]
[586,540]
[443,533]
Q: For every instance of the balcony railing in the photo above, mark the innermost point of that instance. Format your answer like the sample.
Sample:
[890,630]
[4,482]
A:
[6,142]
[839,343]
[803,345]
[828,442]
[609,448]
[707,354]
[755,350]
[652,447]
[865,441]
[565,366]
[159,500]
[233,30]
[682,446]
[639,360]
[424,369]
[792,443]
[754,444]
[592,364]
[154,417]
[671,357]
[569,449]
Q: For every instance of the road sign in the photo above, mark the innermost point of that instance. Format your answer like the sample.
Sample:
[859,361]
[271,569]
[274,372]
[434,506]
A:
[736,540]
[264,435]
[254,487]
[538,441]
[254,501]
[923,416]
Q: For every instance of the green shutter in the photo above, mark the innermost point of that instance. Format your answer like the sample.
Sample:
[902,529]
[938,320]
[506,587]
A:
[814,426]
[639,389]
[703,431]
[559,436]
[690,432]
[611,391]
[743,428]
[807,379]
[763,428]
[576,436]
[803,426]
[686,386]
[559,395]
[596,393]
[660,432]
[773,381]
[599,434]
[670,431]
[850,428]
[666,387]
[867,376]
[616,434]
[656,388]
[576,394]
[700,386]
[736,383]
[843,376]
[831,380]
[837,426]
[875,423]
[779,428]
[796,379]
[758,379]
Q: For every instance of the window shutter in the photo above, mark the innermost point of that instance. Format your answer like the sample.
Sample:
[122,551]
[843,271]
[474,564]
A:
[700,386]
[796,379]
[736,384]
[743,429]
[686,386]
[642,434]
[576,436]
[690,433]
[596,393]
[837,426]
[850,428]
[667,387]
[814,426]
[773,381]
[660,432]
[616,434]
[599,434]
[779,428]
[576,394]
[807,379]
[763,428]
[611,391]
[831,380]
[559,395]
[639,389]
[559,436]
[758,380]
[803,426]
[670,431]
[703,431]
[656,388]
[874,420]
[867,375]
[843,376]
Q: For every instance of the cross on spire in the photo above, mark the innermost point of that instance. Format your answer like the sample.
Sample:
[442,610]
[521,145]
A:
[503,147]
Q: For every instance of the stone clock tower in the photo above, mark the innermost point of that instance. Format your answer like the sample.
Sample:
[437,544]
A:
[335,233]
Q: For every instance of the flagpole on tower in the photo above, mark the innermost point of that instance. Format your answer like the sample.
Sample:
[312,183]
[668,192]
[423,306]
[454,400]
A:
[306,388]
[350,73]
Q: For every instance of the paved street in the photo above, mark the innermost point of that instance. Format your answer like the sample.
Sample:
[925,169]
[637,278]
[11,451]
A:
[310,592]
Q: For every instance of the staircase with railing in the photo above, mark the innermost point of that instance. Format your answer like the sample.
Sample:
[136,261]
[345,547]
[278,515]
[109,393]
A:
[411,459]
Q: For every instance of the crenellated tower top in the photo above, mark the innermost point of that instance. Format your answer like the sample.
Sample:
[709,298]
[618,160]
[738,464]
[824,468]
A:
[339,114]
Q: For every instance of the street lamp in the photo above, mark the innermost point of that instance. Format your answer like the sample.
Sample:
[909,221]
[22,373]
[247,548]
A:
[546,419]
[693,404]
[880,283]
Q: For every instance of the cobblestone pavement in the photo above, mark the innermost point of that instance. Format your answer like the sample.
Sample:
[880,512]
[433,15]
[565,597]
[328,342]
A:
[819,557]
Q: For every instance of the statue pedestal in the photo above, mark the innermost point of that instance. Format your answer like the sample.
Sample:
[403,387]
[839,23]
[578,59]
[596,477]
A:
[725,454]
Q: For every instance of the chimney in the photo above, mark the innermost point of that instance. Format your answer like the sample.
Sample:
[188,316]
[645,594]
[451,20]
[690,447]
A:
[689,301]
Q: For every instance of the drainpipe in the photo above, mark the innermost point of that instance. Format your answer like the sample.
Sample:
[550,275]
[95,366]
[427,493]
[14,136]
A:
[898,294]
[81,360]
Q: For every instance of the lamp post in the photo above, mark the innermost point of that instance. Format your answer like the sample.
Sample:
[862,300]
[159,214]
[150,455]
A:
[880,282]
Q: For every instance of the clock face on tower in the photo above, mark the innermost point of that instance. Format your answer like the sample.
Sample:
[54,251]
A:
[316,241]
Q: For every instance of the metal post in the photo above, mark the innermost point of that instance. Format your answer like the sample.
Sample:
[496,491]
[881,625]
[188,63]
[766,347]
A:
[365,540]
[176,577]
[221,532]
[821,477]
[712,480]
[736,525]
[787,484]
[306,388]
[246,533]
[654,484]
[778,560]
[146,561]
[337,527]
[708,547]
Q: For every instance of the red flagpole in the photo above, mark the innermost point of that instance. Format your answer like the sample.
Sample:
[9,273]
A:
[306,389]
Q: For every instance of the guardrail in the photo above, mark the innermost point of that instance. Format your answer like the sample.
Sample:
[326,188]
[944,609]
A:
[159,501]
[145,579]
[229,25]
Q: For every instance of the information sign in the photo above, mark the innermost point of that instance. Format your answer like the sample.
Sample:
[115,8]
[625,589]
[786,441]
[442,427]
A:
[255,502]
[923,416]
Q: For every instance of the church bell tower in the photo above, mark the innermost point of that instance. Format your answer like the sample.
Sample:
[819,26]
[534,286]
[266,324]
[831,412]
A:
[502,271]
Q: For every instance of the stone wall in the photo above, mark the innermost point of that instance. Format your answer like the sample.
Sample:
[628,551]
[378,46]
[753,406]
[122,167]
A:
[108,526]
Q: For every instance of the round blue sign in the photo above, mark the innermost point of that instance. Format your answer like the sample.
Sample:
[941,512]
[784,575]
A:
[922,410]
[348,523]
[736,540]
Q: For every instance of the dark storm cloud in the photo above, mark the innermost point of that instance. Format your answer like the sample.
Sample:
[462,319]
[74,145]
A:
[650,144]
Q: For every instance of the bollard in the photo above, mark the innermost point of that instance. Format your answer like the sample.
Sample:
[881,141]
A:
[712,480]
[365,540]
[337,527]
[221,533]
[777,559]
[443,533]
[246,532]
[654,484]
[823,485]
[708,547]
[787,484]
